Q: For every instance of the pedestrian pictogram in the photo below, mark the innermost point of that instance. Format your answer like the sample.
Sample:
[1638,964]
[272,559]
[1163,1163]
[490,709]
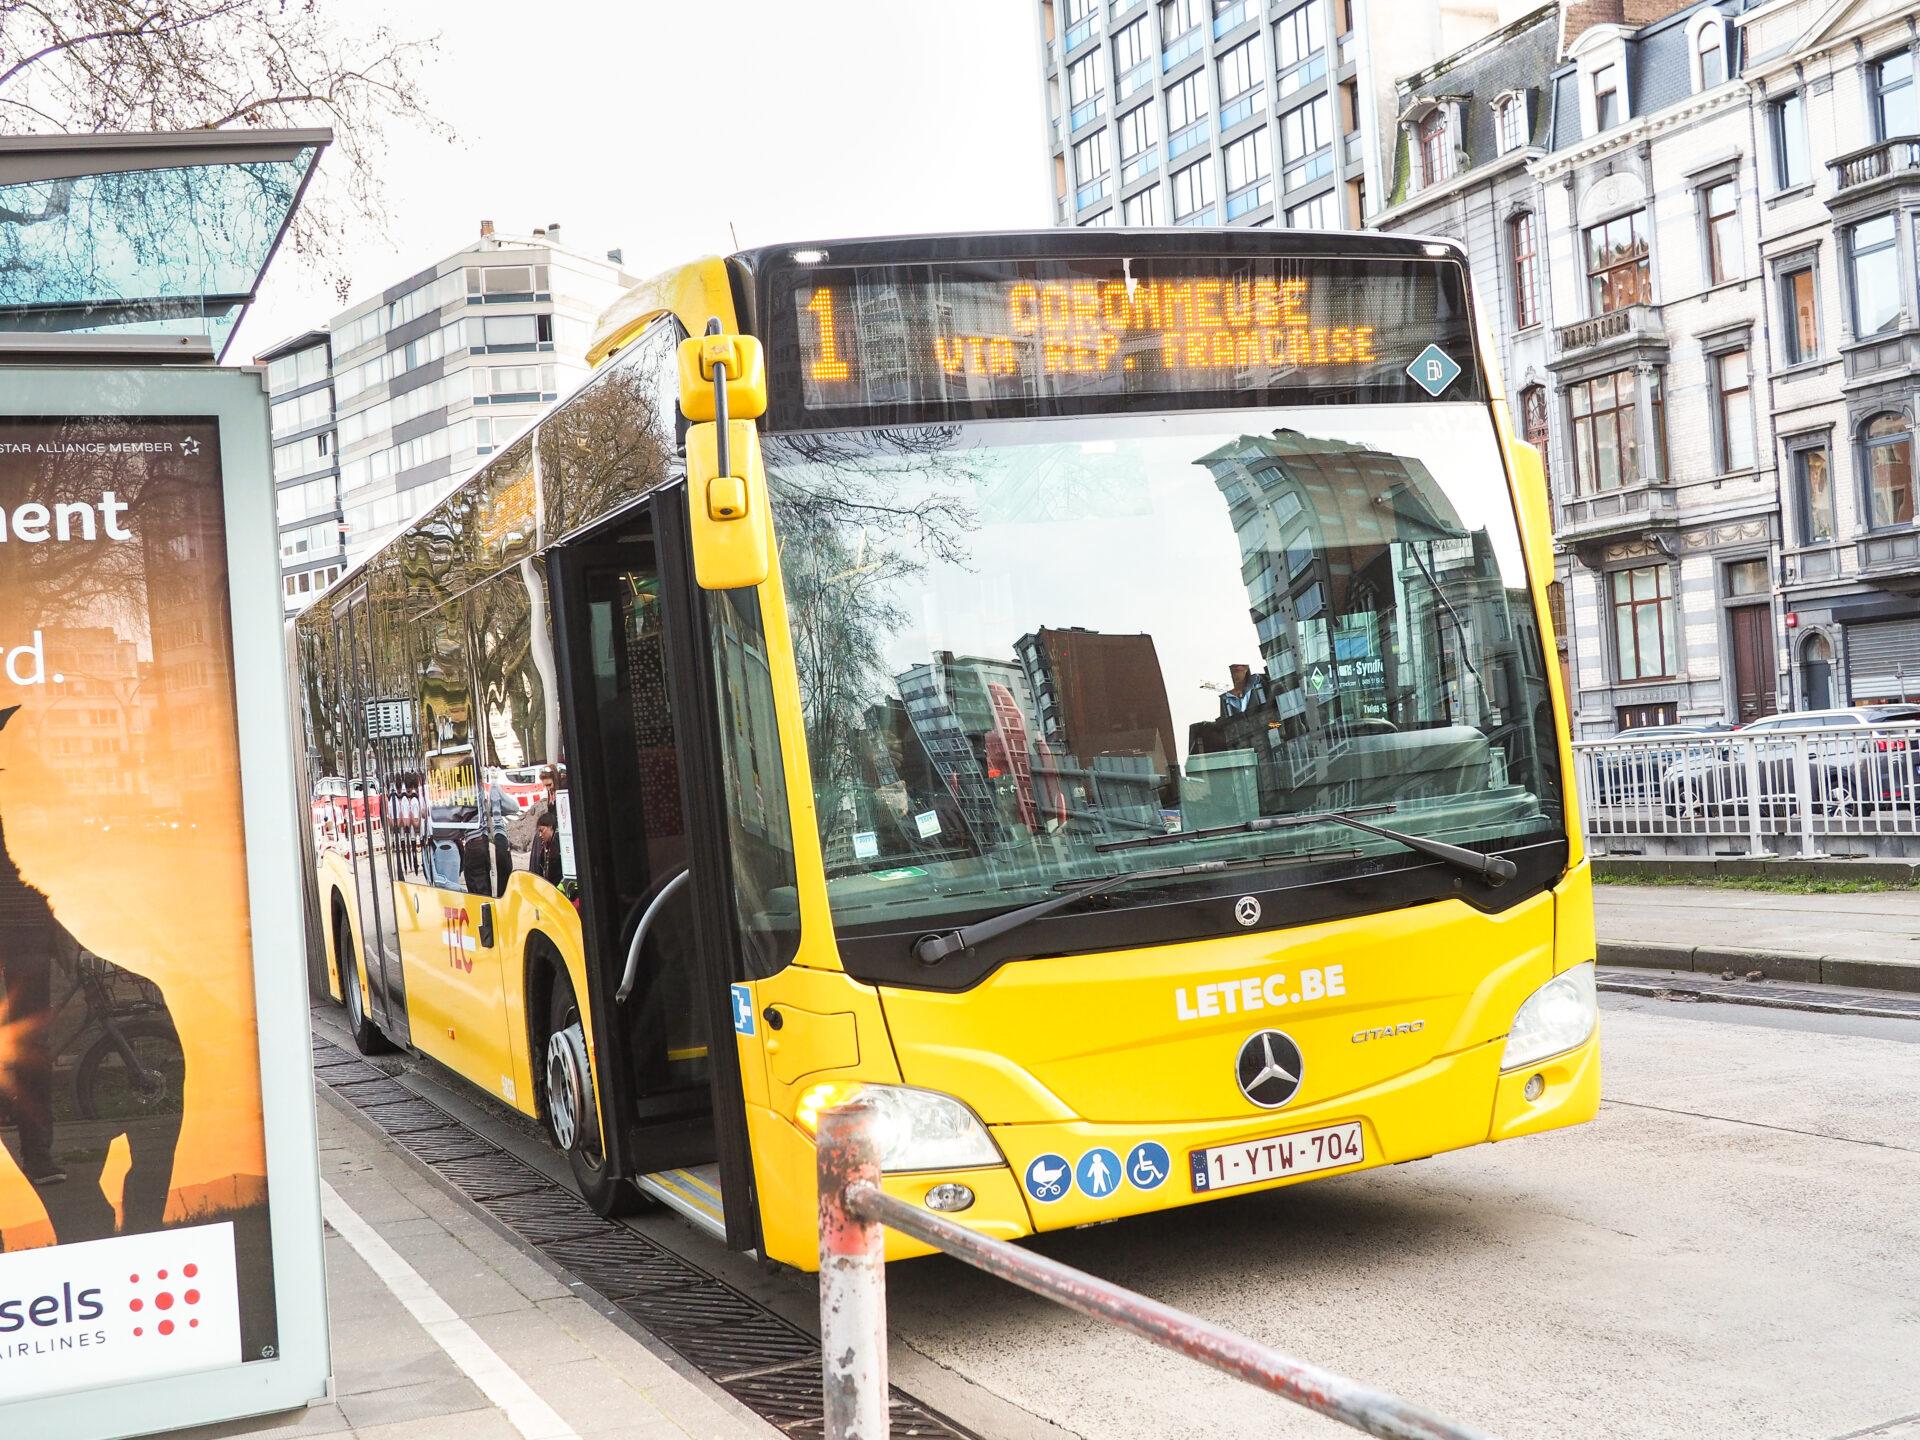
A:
[1098,1173]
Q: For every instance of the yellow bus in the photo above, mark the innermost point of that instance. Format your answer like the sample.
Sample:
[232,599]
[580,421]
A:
[1091,690]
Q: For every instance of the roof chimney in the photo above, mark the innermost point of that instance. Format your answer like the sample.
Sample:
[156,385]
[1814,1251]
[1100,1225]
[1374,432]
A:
[616,257]
[539,234]
[486,229]
[553,231]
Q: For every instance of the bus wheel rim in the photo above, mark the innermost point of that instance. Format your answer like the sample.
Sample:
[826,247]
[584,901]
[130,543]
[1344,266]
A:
[566,1087]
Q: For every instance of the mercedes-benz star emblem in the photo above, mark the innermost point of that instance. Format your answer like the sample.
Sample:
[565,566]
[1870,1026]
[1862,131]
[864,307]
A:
[1247,910]
[1269,1069]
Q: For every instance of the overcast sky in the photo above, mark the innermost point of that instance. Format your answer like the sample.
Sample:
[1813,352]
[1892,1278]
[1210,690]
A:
[652,125]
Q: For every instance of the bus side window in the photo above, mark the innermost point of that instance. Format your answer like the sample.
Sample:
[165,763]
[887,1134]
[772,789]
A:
[516,713]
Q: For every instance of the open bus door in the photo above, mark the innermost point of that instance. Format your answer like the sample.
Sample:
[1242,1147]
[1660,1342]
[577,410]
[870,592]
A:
[649,848]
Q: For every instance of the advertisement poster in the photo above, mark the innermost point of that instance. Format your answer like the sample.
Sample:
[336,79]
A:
[134,1235]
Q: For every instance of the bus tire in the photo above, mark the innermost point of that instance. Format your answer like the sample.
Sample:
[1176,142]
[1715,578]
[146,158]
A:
[367,1038]
[567,1098]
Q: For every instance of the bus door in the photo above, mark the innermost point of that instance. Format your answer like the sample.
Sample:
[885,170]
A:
[639,794]
[365,807]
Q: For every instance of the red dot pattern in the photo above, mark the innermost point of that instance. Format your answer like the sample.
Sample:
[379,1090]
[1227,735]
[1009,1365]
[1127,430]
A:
[164,1300]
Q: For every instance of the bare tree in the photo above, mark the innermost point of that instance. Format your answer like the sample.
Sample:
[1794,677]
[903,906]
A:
[104,65]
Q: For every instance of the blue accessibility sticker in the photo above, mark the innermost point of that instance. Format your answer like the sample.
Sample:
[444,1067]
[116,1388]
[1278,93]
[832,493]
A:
[1047,1177]
[1098,1173]
[743,1009]
[1433,370]
[1148,1165]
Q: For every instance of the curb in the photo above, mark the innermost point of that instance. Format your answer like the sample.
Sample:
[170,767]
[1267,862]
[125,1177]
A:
[1629,868]
[1772,964]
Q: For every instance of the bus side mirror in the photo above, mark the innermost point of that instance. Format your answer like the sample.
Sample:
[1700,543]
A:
[1536,509]
[745,366]
[732,532]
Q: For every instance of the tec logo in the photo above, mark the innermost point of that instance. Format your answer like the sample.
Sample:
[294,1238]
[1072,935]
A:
[163,1294]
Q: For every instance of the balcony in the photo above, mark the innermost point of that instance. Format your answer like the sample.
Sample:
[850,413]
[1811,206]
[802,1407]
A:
[1629,327]
[1092,193]
[1227,19]
[1086,112]
[1078,35]
[1887,160]
[1588,523]
[1137,78]
[1145,163]
[1890,560]
[1876,357]
[1243,108]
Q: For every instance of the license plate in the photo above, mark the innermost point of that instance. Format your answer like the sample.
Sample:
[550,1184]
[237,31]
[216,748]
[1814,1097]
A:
[1247,1162]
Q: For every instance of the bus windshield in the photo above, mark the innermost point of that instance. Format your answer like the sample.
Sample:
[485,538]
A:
[1020,642]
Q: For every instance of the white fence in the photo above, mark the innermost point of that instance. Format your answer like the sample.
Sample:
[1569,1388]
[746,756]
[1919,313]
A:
[1810,792]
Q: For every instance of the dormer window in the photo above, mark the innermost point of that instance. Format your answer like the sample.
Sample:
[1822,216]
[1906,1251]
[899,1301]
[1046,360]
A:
[1436,147]
[1710,54]
[1510,122]
[1606,98]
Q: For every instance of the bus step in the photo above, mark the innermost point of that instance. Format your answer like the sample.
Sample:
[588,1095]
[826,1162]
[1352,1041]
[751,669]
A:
[694,1192]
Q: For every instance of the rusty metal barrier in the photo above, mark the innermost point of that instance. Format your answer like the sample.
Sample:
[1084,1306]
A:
[855,1214]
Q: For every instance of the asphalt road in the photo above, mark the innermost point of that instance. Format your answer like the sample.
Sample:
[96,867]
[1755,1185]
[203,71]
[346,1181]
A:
[1731,1250]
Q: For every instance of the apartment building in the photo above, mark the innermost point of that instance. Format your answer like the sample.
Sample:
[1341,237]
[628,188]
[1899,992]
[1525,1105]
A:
[1231,112]
[1836,130]
[378,415]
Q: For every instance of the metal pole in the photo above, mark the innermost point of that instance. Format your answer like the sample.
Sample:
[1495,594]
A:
[1360,1406]
[853,1278]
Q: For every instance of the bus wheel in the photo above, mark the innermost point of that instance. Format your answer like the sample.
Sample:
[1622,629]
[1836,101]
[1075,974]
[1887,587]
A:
[367,1038]
[573,1118]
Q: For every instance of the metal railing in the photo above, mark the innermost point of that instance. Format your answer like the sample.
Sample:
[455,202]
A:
[855,1214]
[1765,790]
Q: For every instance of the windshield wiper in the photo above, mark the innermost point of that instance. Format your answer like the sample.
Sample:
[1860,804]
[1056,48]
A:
[932,949]
[1494,869]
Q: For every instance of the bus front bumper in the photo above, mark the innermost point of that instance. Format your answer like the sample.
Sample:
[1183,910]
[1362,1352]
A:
[1450,1103]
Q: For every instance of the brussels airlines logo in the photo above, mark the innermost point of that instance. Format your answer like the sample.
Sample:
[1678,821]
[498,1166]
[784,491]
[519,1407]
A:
[128,1308]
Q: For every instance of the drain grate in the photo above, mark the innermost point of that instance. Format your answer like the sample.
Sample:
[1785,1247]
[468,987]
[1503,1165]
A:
[763,1360]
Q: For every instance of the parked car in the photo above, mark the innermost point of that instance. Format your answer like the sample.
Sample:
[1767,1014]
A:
[1626,770]
[1847,774]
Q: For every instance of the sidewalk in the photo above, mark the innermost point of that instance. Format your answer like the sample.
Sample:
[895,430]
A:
[485,1345]
[1870,940]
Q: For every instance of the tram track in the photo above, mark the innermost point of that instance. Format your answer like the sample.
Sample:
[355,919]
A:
[761,1358]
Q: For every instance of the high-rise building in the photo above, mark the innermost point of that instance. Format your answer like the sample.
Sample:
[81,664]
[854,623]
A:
[379,414]
[1232,112]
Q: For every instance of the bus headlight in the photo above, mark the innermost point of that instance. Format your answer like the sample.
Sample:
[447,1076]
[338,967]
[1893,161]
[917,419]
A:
[1557,1017]
[915,1129]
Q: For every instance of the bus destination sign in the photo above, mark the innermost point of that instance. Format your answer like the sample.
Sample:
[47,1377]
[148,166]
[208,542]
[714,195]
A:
[1036,331]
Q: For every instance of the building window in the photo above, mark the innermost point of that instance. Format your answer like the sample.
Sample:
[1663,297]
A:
[1177,17]
[1186,102]
[1618,272]
[1086,82]
[1721,209]
[1813,496]
[1436,147]
[1090,158]
[1712,55]
[1889,472]
[1305,132]
[1606,443]
[1874,275]
[1747,577]
[1315,214]
[1240,72]
[1137,136]
[1607,110]
[1643,624]
[1193,191]
[1787,119]
[1141,209]
[1533,425]
[1524,246]
[1894,112]
[1299,34]
[1511,122]
[1799,316]
[1733,400]
[1248,162]
[1131,48]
